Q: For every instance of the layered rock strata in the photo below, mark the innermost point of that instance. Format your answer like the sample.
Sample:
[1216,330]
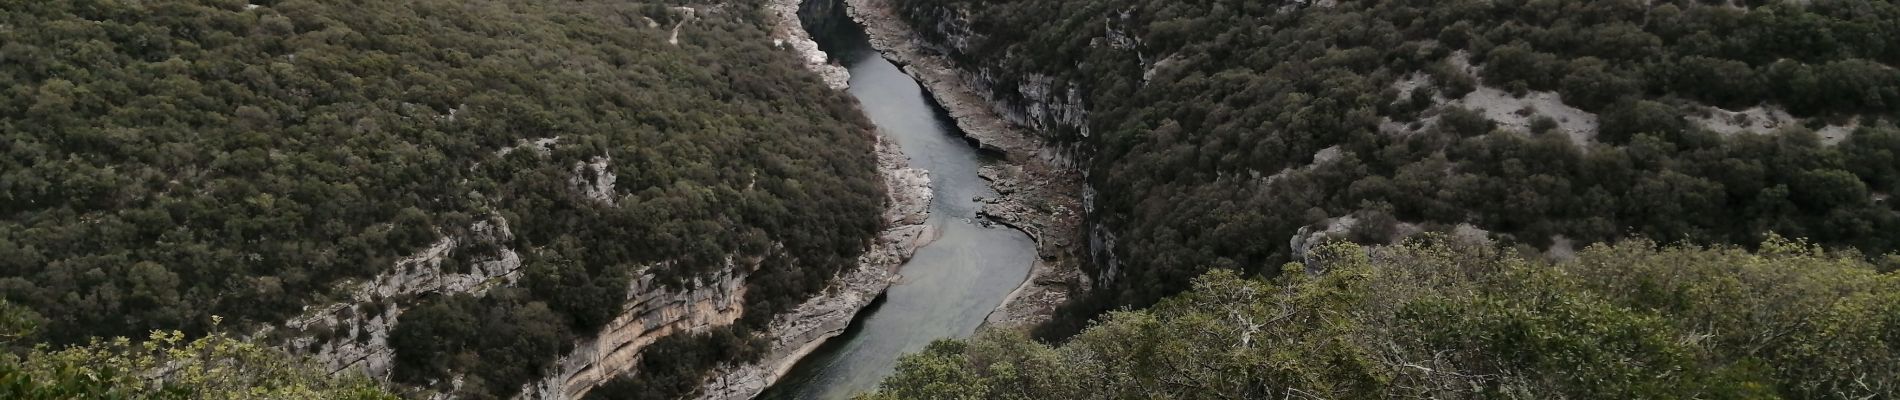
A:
[787,31]
[650,313]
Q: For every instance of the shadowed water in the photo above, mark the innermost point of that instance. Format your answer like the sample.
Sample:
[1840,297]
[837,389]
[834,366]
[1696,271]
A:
[952,283]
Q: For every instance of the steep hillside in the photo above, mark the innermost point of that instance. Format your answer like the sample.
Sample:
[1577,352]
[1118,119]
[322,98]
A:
[1435,319]
[1234,134]
[494,178]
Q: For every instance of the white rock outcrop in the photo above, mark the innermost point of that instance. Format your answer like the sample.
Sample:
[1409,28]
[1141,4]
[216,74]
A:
[1761,120]
[788,31]
[1048,105]
[354,332]
[1517,112]
[594,179]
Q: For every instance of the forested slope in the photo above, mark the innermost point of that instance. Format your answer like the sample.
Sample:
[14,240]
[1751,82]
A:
[1220,129]
[1437,319]
[162,162]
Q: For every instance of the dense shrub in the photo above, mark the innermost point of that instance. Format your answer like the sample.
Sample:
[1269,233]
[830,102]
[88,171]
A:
[1442,320]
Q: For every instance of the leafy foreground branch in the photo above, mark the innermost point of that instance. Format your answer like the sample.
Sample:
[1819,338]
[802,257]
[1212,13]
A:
[167,366]
[1430,319]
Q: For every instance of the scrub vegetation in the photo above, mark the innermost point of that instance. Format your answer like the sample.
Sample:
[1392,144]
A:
[1436,319]
[166,365]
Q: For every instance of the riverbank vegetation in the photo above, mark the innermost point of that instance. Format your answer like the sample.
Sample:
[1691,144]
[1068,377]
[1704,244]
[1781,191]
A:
[1221,129]
[165,161]
[1438,319]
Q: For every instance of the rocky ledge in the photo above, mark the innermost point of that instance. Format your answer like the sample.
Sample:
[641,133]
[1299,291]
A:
[650,312]
[788,31]
[1038,189]
[797,333]
[353,333]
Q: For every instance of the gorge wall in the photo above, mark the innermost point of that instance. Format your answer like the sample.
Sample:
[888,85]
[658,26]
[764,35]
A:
[354,332]
[650,314]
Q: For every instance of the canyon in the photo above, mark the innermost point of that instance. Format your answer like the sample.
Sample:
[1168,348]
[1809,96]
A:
[1011,215]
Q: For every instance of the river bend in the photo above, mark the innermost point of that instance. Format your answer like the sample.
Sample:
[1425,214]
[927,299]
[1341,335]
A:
[951,284]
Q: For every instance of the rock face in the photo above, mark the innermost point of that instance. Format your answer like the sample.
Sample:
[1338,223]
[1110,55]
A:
[787,31]
[594,180]
[799,332]
[1018,118]
[649,314]
[1307,238]
[1042,106]
[354,332]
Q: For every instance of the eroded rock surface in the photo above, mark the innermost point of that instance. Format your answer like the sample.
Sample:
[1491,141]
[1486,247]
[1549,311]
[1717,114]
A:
[650,313]
[354,332]
[788,32]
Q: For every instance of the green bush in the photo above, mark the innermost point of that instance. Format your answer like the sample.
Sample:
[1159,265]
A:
[1442,320]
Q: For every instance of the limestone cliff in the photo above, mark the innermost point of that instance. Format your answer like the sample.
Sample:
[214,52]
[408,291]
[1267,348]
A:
[650,313]
[354,332]
[788,31]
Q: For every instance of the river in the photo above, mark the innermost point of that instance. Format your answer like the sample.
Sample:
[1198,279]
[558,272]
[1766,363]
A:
[951,284]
